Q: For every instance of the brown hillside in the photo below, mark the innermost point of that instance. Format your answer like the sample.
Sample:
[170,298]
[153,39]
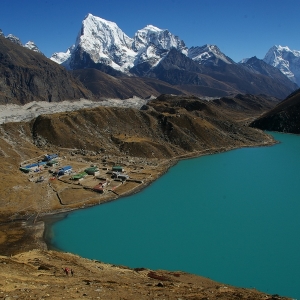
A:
[285,117]
[156,136]
[40,275]
[27,76]
[104,85]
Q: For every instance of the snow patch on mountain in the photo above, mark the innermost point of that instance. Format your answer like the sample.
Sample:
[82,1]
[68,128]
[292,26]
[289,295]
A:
[14,39]
[208,55]
[152,44]
[32,46]
[61,57]
[244,60]
[286,60]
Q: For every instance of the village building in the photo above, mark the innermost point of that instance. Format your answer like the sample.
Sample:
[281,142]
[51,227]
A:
[49,157]
[79,176]
[92,171]
[64,170]
[117,169]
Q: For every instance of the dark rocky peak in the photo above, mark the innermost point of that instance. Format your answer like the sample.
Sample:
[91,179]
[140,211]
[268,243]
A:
[259,66]
[176,60]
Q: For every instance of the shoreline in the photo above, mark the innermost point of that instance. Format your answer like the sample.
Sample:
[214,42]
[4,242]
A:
[40,225]
[55,216]
[27,222]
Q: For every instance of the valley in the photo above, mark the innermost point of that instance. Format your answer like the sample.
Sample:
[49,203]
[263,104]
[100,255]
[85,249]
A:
[144,142]
[136,104]
[166,129]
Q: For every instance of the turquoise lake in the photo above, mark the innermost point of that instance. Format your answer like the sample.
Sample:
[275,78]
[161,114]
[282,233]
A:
[233,217]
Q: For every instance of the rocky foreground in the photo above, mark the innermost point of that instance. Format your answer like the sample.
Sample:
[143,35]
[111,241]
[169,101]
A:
[40,274]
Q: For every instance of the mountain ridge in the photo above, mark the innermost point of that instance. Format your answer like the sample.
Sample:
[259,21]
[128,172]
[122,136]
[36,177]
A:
[103,45]
[28,76]
[157,55]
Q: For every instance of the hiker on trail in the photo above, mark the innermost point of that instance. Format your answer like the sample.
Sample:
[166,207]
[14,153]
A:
[67,271]
[72,272]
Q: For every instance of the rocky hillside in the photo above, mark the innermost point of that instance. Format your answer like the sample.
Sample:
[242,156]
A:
[285,117]
[167,127]
[164,130]
[29,76]
[241,107]
[40,275]
[103,85]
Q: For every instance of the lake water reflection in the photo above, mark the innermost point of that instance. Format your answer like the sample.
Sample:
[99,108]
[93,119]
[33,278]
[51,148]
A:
[233,217]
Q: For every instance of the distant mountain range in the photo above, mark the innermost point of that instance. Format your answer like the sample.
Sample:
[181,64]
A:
[104,43]
[29,45]
[155,61]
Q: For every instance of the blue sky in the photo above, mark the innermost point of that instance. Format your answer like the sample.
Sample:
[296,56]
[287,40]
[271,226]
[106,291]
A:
[240,28]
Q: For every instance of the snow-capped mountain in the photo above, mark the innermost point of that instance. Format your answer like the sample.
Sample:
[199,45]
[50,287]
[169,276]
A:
[32,46]
[286,60]
[107,44]
[61,57]
[157,53]
[208,55]
[14,39]
[151,44]
[29,45]
[103,41]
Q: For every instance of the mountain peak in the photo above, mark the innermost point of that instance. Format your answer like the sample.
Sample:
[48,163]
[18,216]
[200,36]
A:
[91,21]
[152,28]
[14,39]
[32,46]
[281,48]
[286,60]
[208,55]
[152,44]
[161,38]
[104,42]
